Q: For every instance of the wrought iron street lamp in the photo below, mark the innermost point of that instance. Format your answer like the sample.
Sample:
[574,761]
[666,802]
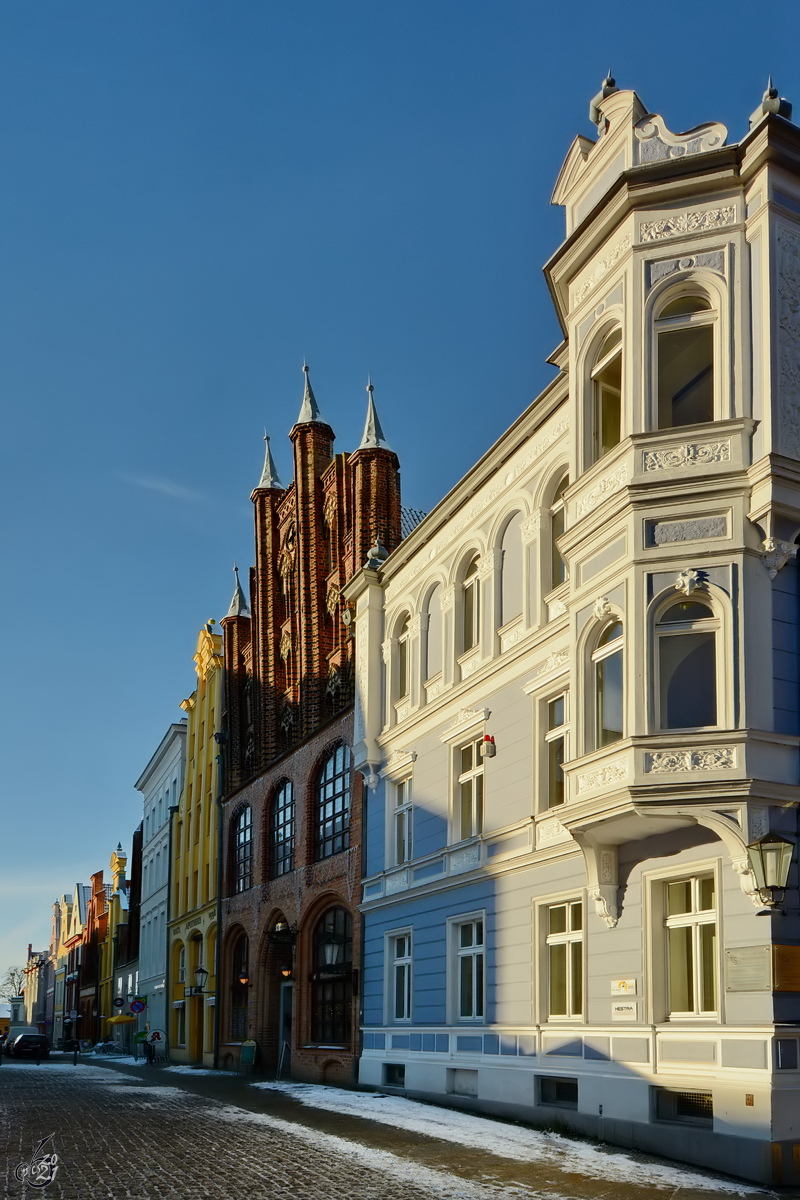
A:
[200,977]
[770,857]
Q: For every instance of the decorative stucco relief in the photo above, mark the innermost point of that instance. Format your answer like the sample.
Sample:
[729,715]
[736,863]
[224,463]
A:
[691,454]
[602,608]
[386,651]
[552,663]
[657,143]
[665,532]
[466,859]
[531,527]
[396,883]
[507,640]
[549,833]
[447,598]
[603,488]
[556,609]
[687,222]
[789,341]
[713,261]
[601,269]
[470,665]
[608,774]
[415,625]
[286,645]
[668,762]
[775,554]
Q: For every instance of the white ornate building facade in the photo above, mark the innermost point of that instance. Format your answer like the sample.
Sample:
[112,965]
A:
[578,697]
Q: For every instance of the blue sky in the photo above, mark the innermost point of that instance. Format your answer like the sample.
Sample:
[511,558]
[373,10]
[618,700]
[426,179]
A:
[193,197]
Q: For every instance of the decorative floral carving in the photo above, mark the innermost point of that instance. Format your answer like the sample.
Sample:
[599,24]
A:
[551,832]
[668,762]
[789,341]
[386,651]
[604,898]
[602,608]
[690,455]
[605,487]
[466,716]
[552,663]
[507,640]
[609,773]
[601,269]
[689,581]
[775,554]
[286,645]
[687,222]
[531,527]
[415,625]
[470,665]
[556,609]
[447,598]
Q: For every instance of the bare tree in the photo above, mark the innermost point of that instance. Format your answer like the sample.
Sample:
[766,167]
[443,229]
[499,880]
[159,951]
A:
[11,983]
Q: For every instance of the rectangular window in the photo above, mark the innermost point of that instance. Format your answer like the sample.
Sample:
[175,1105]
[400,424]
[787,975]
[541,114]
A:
[684,1108]
[469,819]
[555,743]
[691,946]
[402,822]
[469,953]
[564,939]
[401,977]
[561,1092]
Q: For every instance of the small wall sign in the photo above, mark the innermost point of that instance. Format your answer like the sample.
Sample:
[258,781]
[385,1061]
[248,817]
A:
[624,1010]
[623,987]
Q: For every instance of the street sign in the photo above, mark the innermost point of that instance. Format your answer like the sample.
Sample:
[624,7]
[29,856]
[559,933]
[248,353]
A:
[137,1006]
[119,1002]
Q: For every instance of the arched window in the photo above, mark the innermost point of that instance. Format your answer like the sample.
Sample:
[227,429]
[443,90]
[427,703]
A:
[240,986]
[558,568]
[511,571]
[182,965]
[402,676]
[243,850]
[333,803]
[685,362]
[608,686]
[281,850]
[433,653]
[607,396]
[332,995]
[470,607]
[687,665]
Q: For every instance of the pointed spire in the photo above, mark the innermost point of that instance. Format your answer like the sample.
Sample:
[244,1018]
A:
[309,410]
[269,476]
[772,102]
[239,606]
[374,437]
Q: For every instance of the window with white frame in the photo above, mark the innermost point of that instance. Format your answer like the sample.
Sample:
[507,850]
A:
[469,790]
[684,332]
[686,634]
[470,977]
[558,567]
[555,739]
[433,641]
[607,662]
[564,942]
[511,573]
[607,396]
[400,983]
[402,821]
[182,965]
[402,661]
[691,945]
[243,850]
[470,607]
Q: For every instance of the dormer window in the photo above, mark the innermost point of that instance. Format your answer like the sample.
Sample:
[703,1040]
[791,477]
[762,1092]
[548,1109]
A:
[607,396]
[685,362]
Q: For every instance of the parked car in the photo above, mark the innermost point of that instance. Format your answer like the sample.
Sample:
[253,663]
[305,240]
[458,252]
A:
[29,1045]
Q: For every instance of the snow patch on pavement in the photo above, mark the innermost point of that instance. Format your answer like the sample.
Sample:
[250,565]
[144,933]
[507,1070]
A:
[181,1069]
[441,1184]
[502,1139]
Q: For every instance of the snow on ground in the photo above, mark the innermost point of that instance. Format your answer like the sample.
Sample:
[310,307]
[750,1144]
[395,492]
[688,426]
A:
[183,1069]
[437,1183]
[502,1139]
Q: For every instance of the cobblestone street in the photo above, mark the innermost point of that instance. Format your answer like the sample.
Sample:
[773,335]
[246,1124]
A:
[129,1132]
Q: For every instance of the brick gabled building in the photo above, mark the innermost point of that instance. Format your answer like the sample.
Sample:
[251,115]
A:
[291,855]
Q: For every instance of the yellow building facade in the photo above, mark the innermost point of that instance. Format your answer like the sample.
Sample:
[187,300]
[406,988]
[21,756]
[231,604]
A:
[193,880]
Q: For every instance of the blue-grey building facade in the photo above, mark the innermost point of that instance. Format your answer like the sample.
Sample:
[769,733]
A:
[577,686]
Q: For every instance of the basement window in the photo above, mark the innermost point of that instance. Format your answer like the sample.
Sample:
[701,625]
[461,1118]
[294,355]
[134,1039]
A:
[684,1108]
